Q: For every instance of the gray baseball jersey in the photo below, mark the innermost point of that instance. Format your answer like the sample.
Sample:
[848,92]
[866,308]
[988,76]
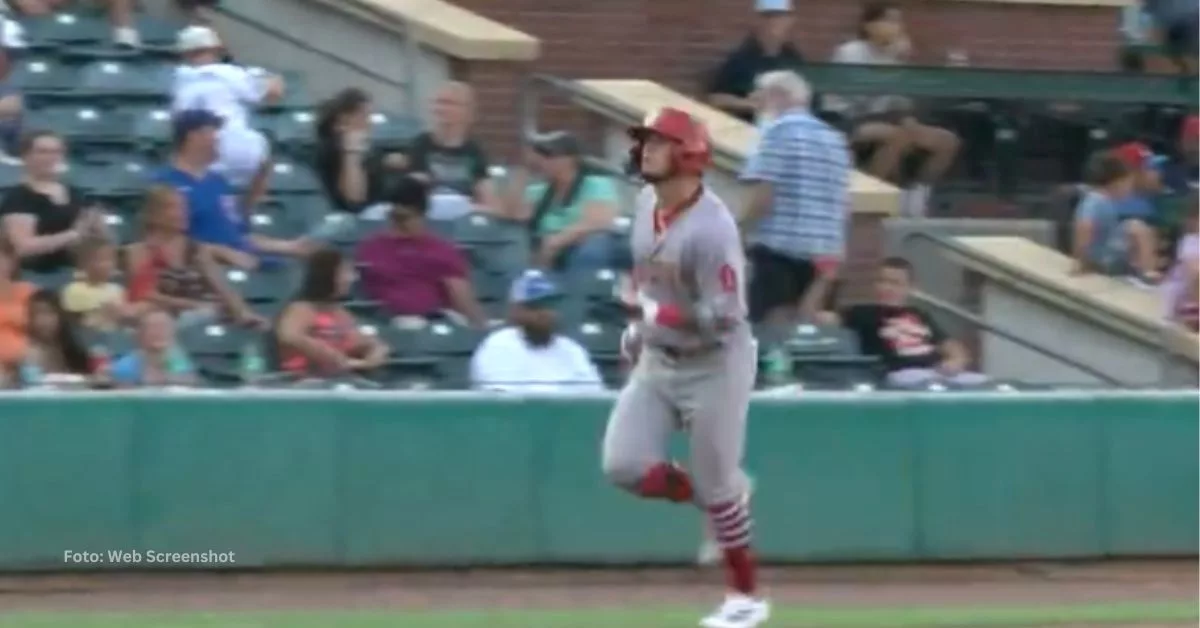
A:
[697,264]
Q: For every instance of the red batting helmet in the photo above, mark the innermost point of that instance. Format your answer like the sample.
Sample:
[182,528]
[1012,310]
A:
[693,150]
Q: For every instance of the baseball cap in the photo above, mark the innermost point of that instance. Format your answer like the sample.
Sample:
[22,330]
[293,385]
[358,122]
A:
[773,6]
[555,144]
[190,120]
[195,38]
[1190,131]
[533,286]
[1135,155]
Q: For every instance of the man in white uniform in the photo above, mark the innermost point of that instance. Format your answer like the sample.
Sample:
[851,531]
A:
[229,91]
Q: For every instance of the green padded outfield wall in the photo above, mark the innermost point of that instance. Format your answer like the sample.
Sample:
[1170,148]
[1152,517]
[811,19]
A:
[372,479]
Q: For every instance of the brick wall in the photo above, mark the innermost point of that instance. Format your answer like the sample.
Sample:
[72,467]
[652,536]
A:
[677,42]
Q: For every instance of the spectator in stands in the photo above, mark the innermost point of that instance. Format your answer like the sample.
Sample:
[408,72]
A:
[317,336]
[764,50]
[1104,241]
[120,13]
[1147,182]
[1176,21]
[93,298]
[14,310]
[54,357]
[178,274]
[796,214]
[12,106]
[158,359]
[215,215]
[42,216]
[1189,145]
[411,271]
[1182,286]
[353,174]
[529,355]
[909,343]
[571,211]
[889,124]
[450,161]
[205,82]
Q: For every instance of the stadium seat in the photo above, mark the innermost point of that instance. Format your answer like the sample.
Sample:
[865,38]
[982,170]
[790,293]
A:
[480,229]
[50,281]
[393,132]
[291,177]
[264,285]
[43,77]
[294,131]
[810,340]
[598,338]
[217,339]
[277,225]
[113,343]
[123,227]
[152,130]
[120,81]
[63,29]
[10,175]
[447,338]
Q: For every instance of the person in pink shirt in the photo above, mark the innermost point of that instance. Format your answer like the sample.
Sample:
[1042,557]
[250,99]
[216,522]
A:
[409,270]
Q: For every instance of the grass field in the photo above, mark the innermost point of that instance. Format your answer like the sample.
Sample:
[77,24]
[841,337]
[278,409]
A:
[959,617]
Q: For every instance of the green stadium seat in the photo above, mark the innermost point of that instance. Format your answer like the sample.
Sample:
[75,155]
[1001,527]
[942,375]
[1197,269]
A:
[113,343]
[152,129]
[85,125]
[600,285]
[263,286]
[123,228]
[43,77]
[598,338]
[10,175]
[291,177]
[92,178]
[294,131]
[277,225]
[811,340]
[63,29]
[480,229]
[217,340]
[50,281]
[447,338]
[116,80]
[393,132]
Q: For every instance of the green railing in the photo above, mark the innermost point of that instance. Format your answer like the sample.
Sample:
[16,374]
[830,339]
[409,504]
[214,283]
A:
[385,478]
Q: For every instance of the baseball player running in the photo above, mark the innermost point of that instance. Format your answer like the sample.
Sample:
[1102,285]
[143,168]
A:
[693,353]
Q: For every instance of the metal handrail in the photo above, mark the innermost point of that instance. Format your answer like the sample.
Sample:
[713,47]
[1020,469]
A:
[985,326]
[410,87]
[959,249]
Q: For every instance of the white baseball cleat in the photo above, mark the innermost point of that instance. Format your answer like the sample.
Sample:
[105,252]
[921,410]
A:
[710,551]
[738,611]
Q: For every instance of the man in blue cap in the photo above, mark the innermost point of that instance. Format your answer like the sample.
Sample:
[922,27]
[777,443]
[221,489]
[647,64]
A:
[766,49]
[529,355]
[216,214]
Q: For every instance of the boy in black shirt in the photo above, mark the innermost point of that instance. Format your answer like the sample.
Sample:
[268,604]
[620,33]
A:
[911,345]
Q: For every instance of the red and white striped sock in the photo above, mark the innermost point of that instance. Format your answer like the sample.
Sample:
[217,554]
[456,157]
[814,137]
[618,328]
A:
[732,526]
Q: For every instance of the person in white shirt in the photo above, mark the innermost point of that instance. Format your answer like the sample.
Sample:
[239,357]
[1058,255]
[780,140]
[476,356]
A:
[529,356]
[203,81]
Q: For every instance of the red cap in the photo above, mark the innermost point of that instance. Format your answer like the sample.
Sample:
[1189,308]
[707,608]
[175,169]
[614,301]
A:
[1134,154]
[1191,130]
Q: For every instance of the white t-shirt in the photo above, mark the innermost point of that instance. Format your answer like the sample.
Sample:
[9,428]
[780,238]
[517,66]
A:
[504,361]
[859,52]
[224,89]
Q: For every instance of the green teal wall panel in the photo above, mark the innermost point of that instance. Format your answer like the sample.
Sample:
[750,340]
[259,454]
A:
[378,479]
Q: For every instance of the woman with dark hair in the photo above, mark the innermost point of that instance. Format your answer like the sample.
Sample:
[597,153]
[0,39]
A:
[352,174]
[42,216]
[888,124]
[54,355]
[316,335]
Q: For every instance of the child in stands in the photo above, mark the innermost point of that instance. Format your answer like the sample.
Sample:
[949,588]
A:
[97,300]
[1106,241]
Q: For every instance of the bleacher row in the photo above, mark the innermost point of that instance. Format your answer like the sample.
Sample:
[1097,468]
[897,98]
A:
[111,107]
